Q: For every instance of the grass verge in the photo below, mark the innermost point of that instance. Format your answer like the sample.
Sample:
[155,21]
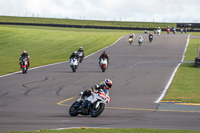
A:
[185,85]
[110,130]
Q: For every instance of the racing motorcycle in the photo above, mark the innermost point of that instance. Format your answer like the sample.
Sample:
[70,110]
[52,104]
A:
[103,64]
[92,105]
[168,30]
[80,55]
[150,38]
[24,65]
[74,64]
[130,40]
[140,42]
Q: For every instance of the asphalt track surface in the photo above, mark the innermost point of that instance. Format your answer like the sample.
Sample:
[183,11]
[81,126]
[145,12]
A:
[40,99]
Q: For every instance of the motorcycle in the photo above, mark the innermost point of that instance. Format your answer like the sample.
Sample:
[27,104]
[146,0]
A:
[92,105]
[168,30]
[24,65]
[80,54]
[181,30]
[103,64]
[150,38]
[174,31]
[140,42]
[130,40]
[74,64]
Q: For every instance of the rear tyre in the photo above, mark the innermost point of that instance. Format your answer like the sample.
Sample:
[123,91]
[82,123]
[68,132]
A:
[97,111]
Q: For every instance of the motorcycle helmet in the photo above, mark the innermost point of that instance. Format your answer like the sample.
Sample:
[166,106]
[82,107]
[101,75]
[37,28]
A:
[81,47]
[107,83]
[25,52]
[150,33]
[75,52]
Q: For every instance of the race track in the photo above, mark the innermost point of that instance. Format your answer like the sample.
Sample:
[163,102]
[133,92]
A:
[40,99]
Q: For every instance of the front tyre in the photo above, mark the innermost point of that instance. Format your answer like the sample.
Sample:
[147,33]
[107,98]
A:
[97,111]
[73,110]
[103,68]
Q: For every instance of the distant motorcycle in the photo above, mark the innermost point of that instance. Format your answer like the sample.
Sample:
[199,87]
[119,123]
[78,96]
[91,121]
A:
[80,54]
[92,105]
[181,30]
[174,31]
[140,41]
[168,30]
[103,64]
[24,65]
[150,38]
[74,64]
[130,40]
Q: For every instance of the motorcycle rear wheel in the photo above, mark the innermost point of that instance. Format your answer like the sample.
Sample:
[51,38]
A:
[97,111]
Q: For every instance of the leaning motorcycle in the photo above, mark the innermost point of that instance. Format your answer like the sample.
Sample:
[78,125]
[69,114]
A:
[80,55]
[24,65]
[74,64]
[103,64]
[94,107]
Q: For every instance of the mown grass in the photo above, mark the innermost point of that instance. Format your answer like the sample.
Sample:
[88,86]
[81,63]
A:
[47,45]
[185,85]
[192,50]
[85,22]
[110,130]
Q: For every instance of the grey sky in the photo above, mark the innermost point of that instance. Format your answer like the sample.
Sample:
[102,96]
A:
[124,10]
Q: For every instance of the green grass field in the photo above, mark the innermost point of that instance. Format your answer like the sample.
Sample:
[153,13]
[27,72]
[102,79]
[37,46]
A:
[185,85]
[85,22]
[110,130]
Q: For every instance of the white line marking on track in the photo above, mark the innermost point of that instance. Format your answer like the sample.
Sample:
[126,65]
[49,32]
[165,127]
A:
[60,62]
[173,74]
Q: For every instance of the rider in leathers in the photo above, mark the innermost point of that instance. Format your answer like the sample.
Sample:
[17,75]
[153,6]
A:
[98,88]
[104,55]
[74,55]
[24,55]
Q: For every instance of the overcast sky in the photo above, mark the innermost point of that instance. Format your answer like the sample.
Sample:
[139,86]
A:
[118,10]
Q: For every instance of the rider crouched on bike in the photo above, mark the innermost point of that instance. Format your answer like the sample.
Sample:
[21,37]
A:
[24,55]
[98,88]
[104,56]
[81,50]
[74,55]
[150,35]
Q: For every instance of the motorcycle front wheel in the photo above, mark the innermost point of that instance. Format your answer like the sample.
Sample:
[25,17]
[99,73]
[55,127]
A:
[97,111]
[73,110]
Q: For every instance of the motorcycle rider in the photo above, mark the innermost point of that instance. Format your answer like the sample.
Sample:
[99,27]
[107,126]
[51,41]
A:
[168,29]
[104,56]
[74,55]
[174,29]
[141,38]
[81,50]
[150,36]
[24,55]
[98,88]
[132,36]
